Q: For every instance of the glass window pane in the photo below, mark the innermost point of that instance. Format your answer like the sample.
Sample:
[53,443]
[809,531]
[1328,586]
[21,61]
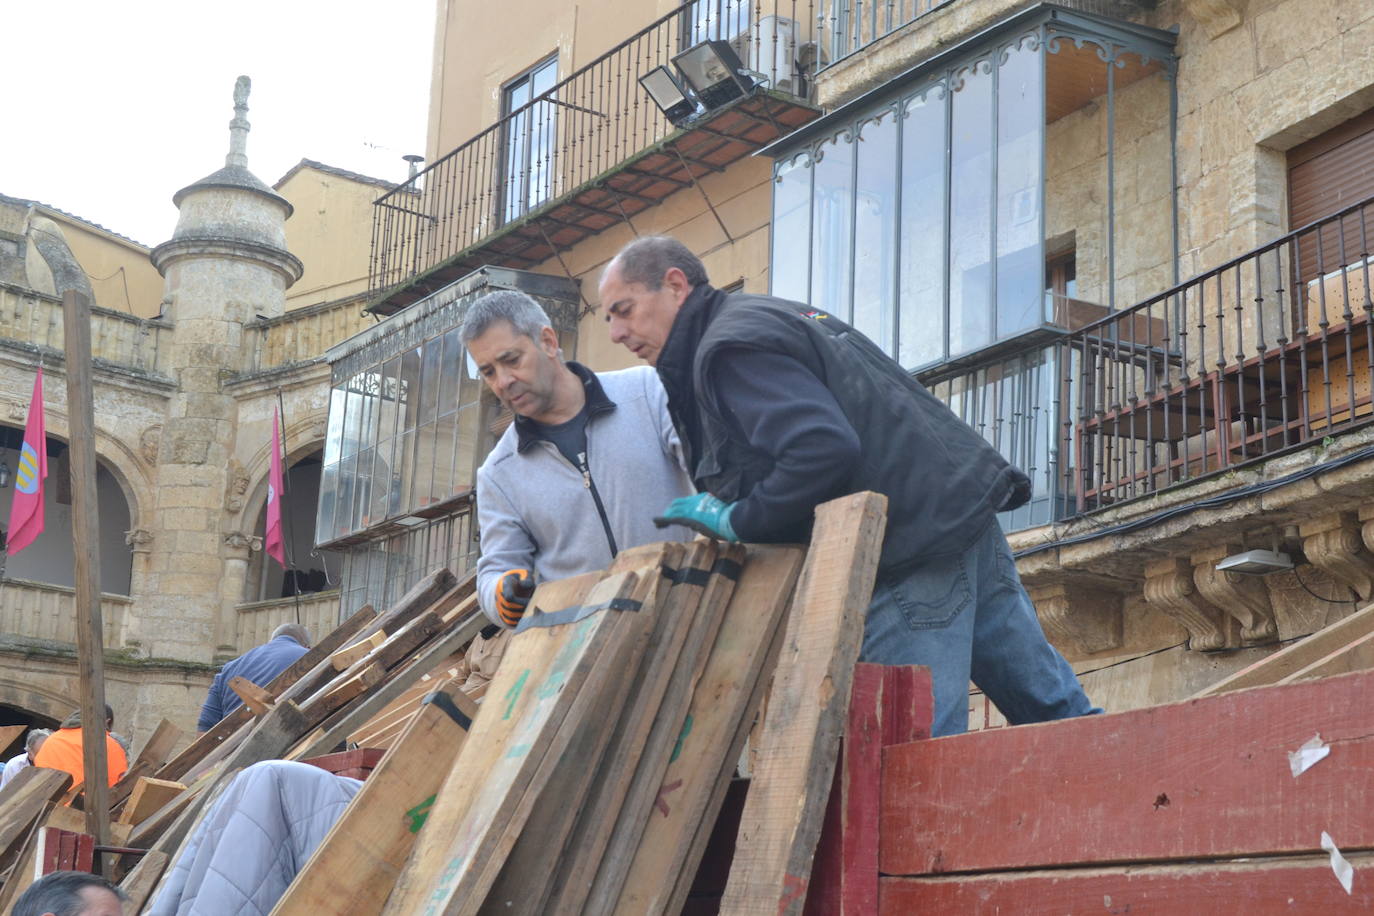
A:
[343,514]
[429,381]
[324,517]
[410,388]
[788,270]
[333,437]
[422,493]
[444,454]
[470,434]
[453,359]
[875,205]
[352,416]
[1020,123]
[922,331]
[388,400]
[970,242]
[832,230]
[363,490]
[397,502]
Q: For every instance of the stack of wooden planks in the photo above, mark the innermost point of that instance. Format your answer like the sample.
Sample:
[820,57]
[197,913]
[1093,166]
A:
[591,779]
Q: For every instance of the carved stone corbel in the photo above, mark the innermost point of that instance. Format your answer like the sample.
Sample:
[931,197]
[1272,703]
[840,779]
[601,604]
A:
[1216,16]
[140,540]
[1082,616]
[1243,597]
[242,544]
[1367,525]
[1332,544]
[1170,588]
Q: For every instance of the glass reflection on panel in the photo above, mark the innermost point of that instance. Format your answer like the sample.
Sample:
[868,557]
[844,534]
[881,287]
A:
[922,330]
[970,242]
[352,416]
[832,227]
[343,514]
[333,438]
[790,262]
[1020,124]
[875,204]
[324,517]
[362,493]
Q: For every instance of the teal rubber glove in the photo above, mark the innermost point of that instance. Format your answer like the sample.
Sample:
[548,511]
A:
[702,513]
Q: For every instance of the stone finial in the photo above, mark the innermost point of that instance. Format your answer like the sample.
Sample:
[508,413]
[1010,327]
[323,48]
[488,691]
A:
[238,128]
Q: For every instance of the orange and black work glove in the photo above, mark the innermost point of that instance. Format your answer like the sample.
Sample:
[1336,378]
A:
[513,592]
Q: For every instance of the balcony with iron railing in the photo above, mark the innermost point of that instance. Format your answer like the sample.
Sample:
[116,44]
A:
[1267,354]
[120,341]
[593,151]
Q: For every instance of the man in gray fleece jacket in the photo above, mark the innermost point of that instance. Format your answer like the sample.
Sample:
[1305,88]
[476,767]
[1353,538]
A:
[583,470]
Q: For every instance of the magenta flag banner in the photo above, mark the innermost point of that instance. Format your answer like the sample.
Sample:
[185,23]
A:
[273,541]
[26,511]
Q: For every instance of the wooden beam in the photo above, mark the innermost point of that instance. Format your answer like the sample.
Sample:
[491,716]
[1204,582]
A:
[9,733]
[706,744]
[258,700]
[138,884]
[1275,667]
[346,656]
[26,798]
[806,709]
[356,864]
[1199,779]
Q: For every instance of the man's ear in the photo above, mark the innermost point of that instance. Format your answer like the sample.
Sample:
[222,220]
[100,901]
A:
[548,341]
[676,283]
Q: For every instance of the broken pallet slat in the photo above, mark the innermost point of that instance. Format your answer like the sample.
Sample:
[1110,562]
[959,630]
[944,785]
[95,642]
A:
[706,743]
[25,799]
[148,796]
[150,757]
[593,758]
[1199,779]
[545,671]
[356,864]
[351,653]
[1274,668]
[1264,888]
[1357,655]
[810,693]
[9,734]
[258,700]
[138,884]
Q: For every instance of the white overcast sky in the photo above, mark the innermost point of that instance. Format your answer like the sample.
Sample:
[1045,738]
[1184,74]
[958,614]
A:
[110,107]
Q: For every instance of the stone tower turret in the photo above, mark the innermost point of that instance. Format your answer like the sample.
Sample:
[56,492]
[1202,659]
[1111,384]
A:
[225,264]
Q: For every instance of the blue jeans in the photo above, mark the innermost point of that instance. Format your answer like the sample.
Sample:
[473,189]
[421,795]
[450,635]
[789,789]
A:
[967,617]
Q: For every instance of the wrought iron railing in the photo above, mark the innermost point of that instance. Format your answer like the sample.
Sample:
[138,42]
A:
[1265,353]
[580,129]
[849,26]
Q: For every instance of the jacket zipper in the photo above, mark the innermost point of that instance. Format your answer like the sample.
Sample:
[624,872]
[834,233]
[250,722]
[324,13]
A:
[590,484]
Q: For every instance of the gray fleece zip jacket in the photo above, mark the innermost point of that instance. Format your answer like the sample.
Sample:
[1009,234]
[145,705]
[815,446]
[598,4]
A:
[536,511]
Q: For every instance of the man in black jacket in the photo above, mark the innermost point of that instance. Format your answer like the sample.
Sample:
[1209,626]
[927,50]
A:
[780,407]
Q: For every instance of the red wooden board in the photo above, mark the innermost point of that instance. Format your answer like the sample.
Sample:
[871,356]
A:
[1256,889]
[1206,778]
[886,705]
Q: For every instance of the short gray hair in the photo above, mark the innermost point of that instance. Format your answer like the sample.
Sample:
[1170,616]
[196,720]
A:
[527,318]
[647,259]
[297,632]
[35,735]
[59,892]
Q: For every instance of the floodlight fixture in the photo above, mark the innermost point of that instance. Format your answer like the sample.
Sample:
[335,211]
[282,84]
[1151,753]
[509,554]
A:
[713,72]
[1256,562]
[668,94]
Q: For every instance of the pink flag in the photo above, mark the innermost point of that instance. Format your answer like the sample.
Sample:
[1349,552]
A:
[26,511]
[273,541]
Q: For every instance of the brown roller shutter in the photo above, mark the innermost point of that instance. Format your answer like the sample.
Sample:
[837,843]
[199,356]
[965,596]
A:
[1326,175]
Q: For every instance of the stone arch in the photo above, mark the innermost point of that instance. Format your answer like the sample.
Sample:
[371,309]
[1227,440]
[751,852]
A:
[22,692]
[125,464]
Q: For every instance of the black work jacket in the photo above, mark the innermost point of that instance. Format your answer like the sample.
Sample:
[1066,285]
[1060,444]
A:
[943,481]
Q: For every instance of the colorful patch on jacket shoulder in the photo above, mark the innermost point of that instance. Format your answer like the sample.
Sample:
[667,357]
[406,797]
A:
[818,316]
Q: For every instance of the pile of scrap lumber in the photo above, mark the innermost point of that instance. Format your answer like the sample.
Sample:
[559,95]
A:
[590,777]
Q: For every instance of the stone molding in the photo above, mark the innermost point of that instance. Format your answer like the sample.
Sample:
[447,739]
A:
[1080,615]
[283,262]
[1216,16]
[1170,588]
[1334,545]
[241,544]
[140,540]
[1243,597]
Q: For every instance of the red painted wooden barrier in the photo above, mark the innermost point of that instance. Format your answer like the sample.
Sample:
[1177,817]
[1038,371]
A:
[1203,779]
[1264,888]
[887,705]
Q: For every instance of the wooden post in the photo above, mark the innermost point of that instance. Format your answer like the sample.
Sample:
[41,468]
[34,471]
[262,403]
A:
[90,649]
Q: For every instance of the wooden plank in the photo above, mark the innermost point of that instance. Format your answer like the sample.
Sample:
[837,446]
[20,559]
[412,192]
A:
[25,872]
[592,774]
[1200,779]
[355,866]
[1356,655]
[26,797]
[152,755]
[1267,888]
[90,629]
[148,796]
[708,739]
[9,734]
[318,654]
[258,700]
[1274,668]
[806,707]
[436,588]
[398,680]
[887,705]
[73,820]
[138,884]
[346,656]
[482,804]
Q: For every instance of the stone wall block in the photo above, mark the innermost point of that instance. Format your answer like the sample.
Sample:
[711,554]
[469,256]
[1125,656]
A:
[1082,619]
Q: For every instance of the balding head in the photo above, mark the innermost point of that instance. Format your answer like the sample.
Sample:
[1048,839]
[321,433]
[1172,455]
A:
[297,632]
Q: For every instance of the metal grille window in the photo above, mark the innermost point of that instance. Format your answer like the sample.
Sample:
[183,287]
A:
[531,132]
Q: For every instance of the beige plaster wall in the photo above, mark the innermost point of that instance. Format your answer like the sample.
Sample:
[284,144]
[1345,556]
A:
[331,232]
[122,277]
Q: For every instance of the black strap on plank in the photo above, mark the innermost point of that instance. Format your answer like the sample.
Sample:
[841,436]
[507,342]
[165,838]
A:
[449,708]
[575,613]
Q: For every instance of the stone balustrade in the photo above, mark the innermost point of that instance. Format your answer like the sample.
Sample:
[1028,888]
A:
[301,335]
[319,614]
[117,338]
[37,610]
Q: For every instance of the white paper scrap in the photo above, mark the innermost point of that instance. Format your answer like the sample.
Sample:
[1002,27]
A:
[1345,872]
[1301,760]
